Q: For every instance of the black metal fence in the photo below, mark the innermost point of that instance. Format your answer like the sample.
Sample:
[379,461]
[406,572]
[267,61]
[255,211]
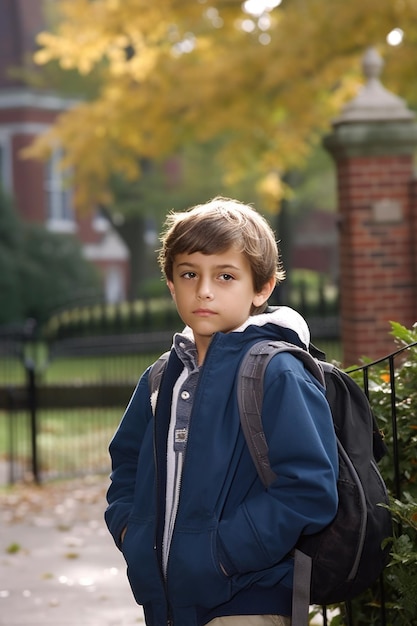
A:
[379,380]
[60,403]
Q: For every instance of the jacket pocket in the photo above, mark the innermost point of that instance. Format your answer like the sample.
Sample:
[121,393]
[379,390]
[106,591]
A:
[142,566]
[194,576]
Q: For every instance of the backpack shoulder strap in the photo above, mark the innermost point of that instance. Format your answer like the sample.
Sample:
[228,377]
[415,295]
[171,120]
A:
[155,374]
[250,397]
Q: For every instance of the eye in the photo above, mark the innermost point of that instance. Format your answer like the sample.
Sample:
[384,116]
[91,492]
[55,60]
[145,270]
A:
[226,277]
[188,275]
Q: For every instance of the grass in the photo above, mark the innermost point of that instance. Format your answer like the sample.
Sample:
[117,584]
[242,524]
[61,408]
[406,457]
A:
[75,441]
[12,371]
[332,349]
[123,368]
[75,370]
[68,442]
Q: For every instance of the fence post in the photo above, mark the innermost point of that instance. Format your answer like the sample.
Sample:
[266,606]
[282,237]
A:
[11,436]
[33,414]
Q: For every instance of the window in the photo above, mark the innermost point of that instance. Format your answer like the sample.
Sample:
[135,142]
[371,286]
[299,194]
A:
[114,287]
[58,196]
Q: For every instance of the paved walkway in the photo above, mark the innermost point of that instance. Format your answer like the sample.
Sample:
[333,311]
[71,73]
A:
[58,563]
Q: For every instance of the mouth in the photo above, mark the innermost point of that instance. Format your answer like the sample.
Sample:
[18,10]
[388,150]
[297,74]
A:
[204,312]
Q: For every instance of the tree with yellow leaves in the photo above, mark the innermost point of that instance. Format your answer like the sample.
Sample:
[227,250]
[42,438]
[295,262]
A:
[263,76]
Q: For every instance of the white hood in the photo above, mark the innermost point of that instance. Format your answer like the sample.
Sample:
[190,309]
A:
[282,316]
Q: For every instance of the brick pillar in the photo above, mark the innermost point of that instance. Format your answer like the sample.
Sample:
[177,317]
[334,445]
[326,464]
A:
[372,144]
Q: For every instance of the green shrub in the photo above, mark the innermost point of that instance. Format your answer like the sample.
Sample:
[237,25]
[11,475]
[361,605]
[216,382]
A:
[401,573]
[400,578]
[40,271]
[140,316]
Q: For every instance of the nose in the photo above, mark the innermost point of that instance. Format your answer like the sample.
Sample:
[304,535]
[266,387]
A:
[204,291]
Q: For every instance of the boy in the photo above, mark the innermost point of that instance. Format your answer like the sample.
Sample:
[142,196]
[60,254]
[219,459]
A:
[204,542]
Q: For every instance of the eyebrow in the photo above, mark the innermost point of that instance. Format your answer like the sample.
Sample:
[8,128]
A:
[222,266]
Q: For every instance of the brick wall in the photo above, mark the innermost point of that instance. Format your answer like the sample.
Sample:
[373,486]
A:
[377,252]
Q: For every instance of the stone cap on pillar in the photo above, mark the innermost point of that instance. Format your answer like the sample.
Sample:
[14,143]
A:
[374,102]
[376,122]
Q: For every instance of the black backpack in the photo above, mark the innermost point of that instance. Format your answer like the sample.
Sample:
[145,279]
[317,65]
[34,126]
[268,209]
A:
[347,556]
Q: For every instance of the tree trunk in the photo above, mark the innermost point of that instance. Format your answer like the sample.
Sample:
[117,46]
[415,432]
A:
[132,231]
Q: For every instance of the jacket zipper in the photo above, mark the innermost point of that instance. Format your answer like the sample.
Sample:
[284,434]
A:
[170,621]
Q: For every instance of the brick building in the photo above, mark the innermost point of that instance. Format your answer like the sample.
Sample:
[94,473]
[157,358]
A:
[39,190]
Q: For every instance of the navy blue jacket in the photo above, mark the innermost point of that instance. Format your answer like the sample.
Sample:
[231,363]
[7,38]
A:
[226,520]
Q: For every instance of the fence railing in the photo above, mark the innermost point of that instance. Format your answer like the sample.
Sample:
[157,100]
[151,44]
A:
[60,404]
[379,381]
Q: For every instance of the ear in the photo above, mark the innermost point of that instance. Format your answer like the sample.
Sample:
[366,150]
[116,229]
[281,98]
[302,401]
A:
[262,296]
[171,288]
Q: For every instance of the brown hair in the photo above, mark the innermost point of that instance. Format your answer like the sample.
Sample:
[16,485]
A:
[216,226]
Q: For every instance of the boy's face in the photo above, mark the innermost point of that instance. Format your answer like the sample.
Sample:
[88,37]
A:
[214,292]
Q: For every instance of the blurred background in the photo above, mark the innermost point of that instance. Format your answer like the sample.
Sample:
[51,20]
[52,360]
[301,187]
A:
[113,113]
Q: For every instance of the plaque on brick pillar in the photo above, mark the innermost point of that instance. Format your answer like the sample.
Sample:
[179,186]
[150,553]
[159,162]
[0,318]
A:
[387,211]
